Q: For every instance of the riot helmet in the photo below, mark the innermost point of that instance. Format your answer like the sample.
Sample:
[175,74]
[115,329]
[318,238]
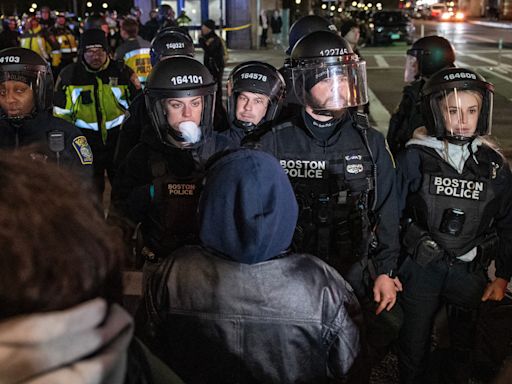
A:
[304,26]
[427,56]
[21,65]
[171,41]
[96,21]
[457,105]
[180,99]
[327,75]
[254,77]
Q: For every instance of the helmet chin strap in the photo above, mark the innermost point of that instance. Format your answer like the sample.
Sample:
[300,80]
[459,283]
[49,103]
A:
[245,125]
[460,140]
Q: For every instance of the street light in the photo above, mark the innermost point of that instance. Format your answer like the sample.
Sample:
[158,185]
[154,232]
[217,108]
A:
[324,6]
[31,10]
[354,3]
[34,5]
[333,7]
[297,2]
[89,4]
[104,5]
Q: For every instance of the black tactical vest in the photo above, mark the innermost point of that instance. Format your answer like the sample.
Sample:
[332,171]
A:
[173,213]
[334,187]
[452,206]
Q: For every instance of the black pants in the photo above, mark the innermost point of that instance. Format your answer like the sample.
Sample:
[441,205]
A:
[425,290]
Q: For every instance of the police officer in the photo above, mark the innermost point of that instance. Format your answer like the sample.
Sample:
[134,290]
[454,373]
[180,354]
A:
[171,41]
[94,95]
[342,174]
[300,28]
[159,182]
[456,191]
[426,56]
[255,92]
[26,98]
[67,42]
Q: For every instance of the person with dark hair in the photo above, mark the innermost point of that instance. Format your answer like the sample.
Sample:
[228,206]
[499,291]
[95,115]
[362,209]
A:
[159,182]
[241,307]
[214,53]
[60,280]
[134,51]
[425,57]
[94,95]
[26,100]
[455,193]
[10,36]
[151,26]
[46,20]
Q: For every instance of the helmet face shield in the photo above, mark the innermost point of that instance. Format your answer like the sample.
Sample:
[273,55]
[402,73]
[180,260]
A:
[462,113]
[411,68]
[182,120]
[327,87]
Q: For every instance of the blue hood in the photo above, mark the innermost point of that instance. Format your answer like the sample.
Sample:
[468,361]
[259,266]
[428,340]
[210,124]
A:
[247,210]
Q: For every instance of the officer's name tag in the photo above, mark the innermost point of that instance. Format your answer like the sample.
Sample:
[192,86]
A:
[181,189]
[464,189]
[307,169]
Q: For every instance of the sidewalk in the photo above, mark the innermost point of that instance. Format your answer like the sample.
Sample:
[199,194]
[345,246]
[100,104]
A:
[507,24]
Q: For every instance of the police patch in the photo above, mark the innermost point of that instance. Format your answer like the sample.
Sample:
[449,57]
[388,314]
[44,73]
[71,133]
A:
[355,168]
[464,189]
[82,149]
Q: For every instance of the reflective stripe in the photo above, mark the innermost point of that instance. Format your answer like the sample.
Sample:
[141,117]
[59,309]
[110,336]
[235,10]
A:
[67,50]
[61,111]
[75,94]
[83,124]
[141,51]
[55,52]
[118,93]
[116,122]
[43,52]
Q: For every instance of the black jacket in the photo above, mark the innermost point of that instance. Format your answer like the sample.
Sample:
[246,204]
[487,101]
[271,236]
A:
[241,309]
[213,54]
[76,155]
[345,156]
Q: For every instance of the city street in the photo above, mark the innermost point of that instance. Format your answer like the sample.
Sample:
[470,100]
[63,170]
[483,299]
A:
[477,46]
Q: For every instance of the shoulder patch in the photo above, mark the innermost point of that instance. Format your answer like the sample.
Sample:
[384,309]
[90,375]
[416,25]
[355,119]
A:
[83,149]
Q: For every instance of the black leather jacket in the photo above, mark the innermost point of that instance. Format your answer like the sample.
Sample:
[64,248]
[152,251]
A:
[291,319]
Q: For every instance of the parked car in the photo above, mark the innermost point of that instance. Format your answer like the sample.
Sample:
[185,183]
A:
[390,26]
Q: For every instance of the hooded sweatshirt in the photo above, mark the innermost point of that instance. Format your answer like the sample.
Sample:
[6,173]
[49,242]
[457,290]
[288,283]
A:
[86,344]
[248,210]
[240,309]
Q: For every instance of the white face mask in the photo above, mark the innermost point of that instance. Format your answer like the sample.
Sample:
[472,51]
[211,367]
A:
[190,132]
[411,68]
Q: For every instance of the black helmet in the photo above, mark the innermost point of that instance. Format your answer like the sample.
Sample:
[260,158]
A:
[95,21]
[451,98]
[304,26]
[21,64]
[171,41]
[179,77]
[256,77]
[324,57]
[432,54]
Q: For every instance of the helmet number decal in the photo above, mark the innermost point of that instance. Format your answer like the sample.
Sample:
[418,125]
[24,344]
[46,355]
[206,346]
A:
[334,52]
[460,75]
[254,76]
[9,59]
[174,45]
[187,79]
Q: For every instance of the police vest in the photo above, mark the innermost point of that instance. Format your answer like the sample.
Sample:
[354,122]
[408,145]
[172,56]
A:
[451,206]
[140,61]
[67,42]
[333,186]
[173,213]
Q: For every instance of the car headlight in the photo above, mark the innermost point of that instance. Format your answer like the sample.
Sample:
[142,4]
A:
[446,16]
[460,16]
[380,29]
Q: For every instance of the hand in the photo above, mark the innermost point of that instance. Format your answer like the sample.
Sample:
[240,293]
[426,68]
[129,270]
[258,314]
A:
[384,292]
[495,290]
